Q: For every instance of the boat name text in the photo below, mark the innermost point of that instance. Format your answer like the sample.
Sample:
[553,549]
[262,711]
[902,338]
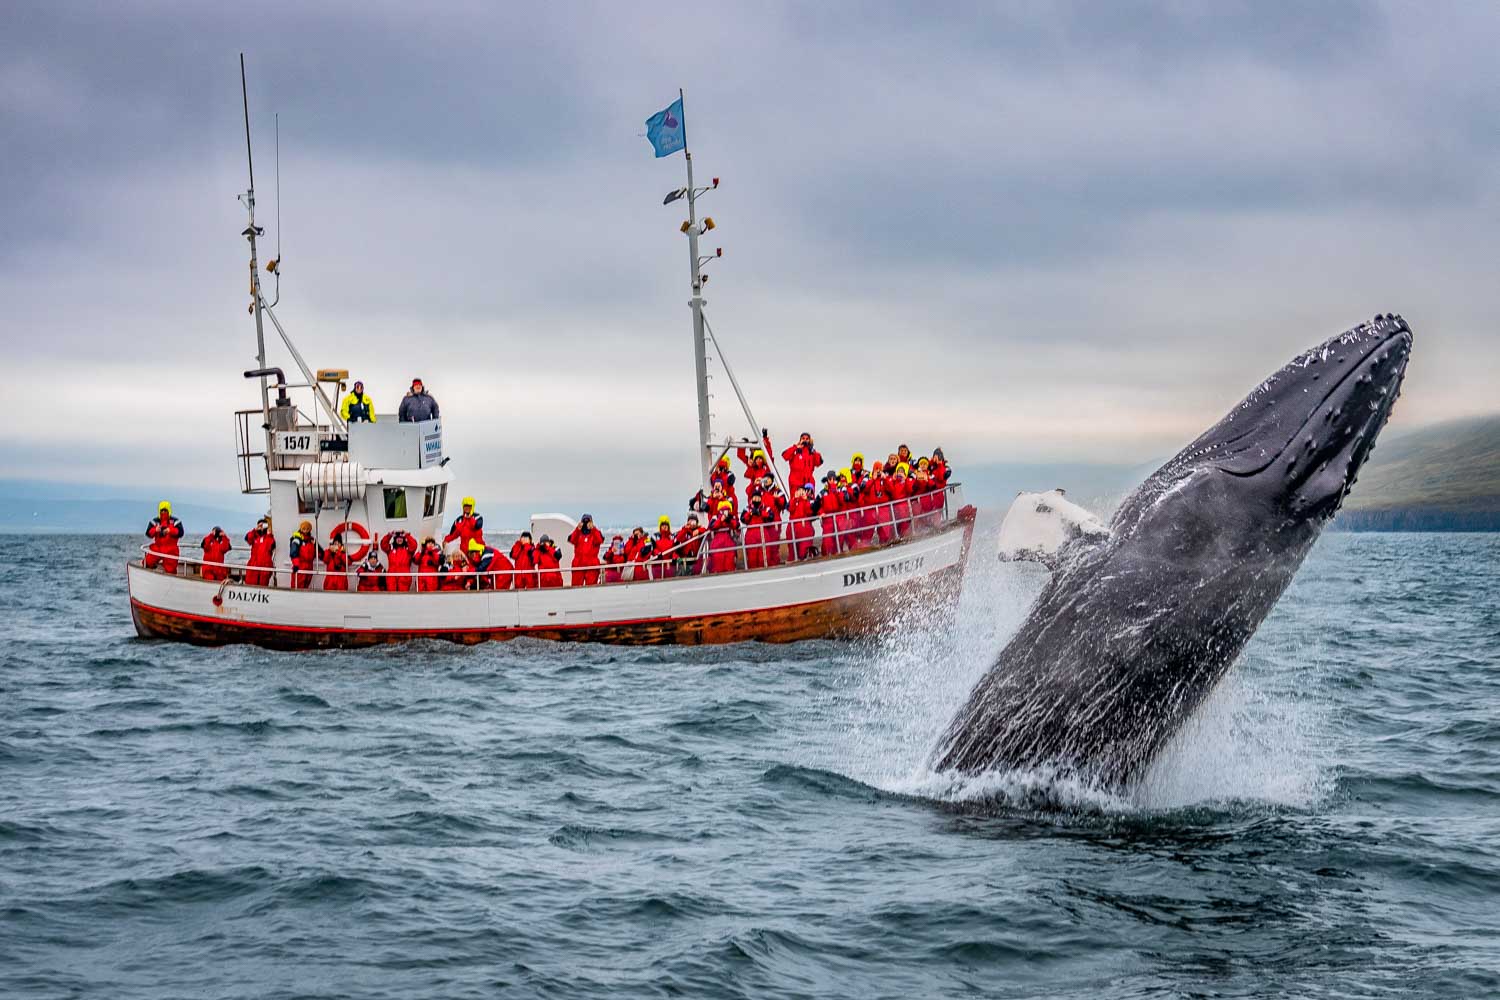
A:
[253,596]
[870,577]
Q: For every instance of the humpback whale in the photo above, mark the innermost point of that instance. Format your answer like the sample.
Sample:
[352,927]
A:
[1139,622]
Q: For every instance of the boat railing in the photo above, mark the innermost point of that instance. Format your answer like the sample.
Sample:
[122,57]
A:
[856,528]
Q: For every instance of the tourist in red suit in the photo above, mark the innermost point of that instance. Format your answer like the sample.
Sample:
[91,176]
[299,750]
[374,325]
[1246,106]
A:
[335,565]
[216,546]
[662,553]
[466,527]
[722,540]
[586,541]
[830,504]
[164,531]
[523,558]
[804,460]
[801,531]
[262,554]
[369,573]
[614,558]
[548,564]
[304,553]
[429,562]
[400,550]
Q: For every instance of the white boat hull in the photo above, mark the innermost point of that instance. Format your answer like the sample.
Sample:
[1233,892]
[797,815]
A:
[847,595]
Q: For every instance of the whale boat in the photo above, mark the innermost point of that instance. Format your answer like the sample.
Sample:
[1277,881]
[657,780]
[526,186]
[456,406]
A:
[359,481]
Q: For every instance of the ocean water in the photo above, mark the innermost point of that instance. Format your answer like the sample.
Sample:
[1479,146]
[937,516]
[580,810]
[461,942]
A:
[526,819]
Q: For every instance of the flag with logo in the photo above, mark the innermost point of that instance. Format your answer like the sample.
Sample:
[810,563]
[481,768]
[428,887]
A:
[666,131]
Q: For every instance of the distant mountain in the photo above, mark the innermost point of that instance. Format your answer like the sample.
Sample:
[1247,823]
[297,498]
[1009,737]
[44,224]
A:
[1445,477]
[49,507]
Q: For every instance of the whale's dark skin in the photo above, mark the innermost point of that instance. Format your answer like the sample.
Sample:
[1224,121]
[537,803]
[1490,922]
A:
[1133,632]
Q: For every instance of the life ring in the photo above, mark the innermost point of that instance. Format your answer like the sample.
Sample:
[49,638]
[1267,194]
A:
[358,529]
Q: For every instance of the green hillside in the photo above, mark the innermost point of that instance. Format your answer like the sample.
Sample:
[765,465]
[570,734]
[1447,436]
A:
[1443,477]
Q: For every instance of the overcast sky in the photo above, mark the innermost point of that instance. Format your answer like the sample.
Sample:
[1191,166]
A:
[1026,232]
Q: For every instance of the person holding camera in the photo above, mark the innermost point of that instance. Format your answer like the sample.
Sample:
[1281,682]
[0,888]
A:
[586,540]
[216,546]
[804,459]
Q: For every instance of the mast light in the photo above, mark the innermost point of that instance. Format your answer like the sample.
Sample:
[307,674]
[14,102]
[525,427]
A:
[708,223]
[686,225]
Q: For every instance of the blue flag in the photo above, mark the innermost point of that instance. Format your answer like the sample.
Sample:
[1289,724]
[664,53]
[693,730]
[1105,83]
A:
[665,130]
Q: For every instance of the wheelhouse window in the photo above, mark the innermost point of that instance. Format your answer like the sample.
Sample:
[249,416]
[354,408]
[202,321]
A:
[430,502]
[395,503]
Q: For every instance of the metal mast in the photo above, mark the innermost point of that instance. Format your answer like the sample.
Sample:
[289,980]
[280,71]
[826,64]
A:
[696,303]
[250,233]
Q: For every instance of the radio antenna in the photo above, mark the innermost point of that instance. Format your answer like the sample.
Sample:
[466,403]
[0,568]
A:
[274,265]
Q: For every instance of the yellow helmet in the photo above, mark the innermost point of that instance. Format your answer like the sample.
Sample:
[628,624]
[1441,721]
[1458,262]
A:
[856,457]
[165,505]
[759,453]
[903,468]
[725,505]
[475,545]
[468,501]
[845,474]
[664,519]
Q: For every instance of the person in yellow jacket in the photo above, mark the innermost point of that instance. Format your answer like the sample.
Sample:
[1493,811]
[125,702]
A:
[357,407]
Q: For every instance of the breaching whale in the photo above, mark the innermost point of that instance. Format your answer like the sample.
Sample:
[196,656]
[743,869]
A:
[1137,624]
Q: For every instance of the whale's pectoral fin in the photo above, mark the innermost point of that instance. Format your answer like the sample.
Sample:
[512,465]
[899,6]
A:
[1039,525]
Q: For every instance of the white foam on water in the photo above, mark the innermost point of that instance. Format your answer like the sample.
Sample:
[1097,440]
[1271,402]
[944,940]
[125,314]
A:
[1254,738]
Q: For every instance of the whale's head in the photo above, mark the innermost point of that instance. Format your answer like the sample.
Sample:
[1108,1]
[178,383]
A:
[1284,459]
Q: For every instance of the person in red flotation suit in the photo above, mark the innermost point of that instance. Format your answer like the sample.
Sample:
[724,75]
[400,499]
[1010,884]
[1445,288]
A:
[548,564]
[614,559]
[335,565]
[640,568]
[688,543]
[637,541]
[921,501]
[662,554]
[487,567]
[466,527]
[304,552]
[369,573]
[721,475]
[856,468]
[801,531]
[774,504]
[722,540]
[400,550]
[428,563]
[215,546]
[262,554]
[903,454]
[586,540]
[458,574]
[878,497]
[754,520]
[900,491]
[829,504]
[756,469]
[804,460]
[523,559]
[939,470]
[164,531]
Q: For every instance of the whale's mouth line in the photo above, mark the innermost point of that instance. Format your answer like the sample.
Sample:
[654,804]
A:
[1353,372]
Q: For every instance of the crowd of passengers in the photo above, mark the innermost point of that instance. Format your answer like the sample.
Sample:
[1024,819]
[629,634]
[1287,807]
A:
[857,506]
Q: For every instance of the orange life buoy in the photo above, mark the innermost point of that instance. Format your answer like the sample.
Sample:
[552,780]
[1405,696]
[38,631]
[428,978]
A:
[359,529]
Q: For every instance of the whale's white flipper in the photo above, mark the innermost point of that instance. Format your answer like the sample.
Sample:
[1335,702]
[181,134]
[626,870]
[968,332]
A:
[1038,525]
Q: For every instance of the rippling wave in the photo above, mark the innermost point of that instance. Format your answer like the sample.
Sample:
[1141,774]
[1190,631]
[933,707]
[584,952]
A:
[536,820]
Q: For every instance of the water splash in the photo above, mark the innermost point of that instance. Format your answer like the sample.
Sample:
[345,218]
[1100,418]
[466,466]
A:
[1257,738]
